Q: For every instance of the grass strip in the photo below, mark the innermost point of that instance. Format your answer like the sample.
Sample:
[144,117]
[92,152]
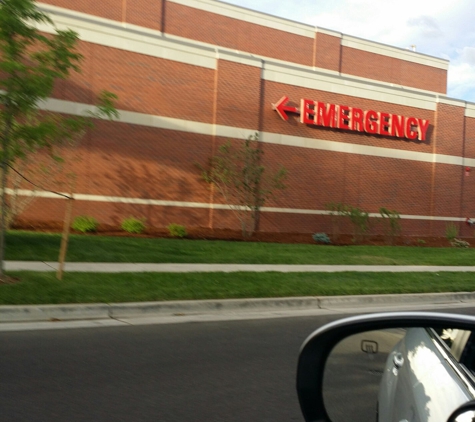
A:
[43,288]
[29,246]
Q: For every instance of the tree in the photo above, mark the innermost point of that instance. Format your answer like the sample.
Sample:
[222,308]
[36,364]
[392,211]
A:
[393,227]
[30,64]
[337,211]
[238,174]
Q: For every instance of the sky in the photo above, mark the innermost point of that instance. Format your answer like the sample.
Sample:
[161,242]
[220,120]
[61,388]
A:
[439,28]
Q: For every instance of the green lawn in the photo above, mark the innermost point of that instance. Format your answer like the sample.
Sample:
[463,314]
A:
[45,247]
[38,288]
[98,287]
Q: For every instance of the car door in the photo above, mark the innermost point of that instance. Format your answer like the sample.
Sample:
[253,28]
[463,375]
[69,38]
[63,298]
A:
[423,381]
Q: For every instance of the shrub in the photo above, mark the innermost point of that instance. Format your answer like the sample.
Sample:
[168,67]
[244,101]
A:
[337,211]
[458,243]
[451,231]
[337,208]
[133,225]
[321,238]
[360,221]
[421,242]
[177,230]
[84,224]
[393,226]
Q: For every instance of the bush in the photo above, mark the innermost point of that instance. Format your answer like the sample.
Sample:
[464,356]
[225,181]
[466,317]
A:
[457,243]
[337,211]
[133,225]
[451,231]
[177,230]
[84,224]
[393,225]
[321,238]
[360,221]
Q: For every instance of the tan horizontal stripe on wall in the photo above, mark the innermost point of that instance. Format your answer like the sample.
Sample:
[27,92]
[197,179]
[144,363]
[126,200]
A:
[181,125]
[184,204]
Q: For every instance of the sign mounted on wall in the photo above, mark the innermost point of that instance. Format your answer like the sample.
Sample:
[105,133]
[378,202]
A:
[317,113]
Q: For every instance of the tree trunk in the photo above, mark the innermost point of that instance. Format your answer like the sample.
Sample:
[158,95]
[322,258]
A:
[3,220]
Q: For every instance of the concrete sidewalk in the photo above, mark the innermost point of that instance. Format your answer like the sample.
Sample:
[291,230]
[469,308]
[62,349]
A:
[115,267]
[19,317]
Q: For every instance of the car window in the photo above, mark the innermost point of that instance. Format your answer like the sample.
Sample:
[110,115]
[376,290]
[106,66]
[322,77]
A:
[460,344]
[455,340]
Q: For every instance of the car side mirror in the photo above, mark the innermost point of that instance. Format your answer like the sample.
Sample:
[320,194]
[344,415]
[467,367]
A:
[389,367]
[465,413]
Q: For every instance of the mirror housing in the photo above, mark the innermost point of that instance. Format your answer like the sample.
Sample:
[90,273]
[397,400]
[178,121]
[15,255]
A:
[318,346]
[464,413]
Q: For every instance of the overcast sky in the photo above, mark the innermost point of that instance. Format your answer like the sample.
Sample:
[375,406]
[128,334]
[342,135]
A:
[440,28]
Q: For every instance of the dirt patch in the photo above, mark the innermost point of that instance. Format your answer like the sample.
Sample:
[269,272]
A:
[236,235]
[6,279]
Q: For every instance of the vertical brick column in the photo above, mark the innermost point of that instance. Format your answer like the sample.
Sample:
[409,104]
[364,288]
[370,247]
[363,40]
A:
[327,49]
[468,178]
[144,13]
[447,179]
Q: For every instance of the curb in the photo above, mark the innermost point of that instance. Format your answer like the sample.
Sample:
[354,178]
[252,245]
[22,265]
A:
[70,312]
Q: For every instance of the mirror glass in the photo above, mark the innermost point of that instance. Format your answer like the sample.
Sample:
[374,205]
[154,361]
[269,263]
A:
[415,374]
[468,416]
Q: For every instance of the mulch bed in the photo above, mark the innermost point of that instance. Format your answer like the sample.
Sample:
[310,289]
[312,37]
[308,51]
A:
[236,235]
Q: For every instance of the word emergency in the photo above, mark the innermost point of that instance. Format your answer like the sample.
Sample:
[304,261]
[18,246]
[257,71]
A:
[355,119]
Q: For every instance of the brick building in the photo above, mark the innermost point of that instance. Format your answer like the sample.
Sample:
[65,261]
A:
[191,74]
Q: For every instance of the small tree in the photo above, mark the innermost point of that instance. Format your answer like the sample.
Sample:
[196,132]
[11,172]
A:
[337,211]
[38,167]
[360,221]
[238,174]
[30,63]
[393,227]
[451,231]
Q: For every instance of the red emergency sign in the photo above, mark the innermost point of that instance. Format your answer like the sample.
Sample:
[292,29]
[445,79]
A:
[344,117]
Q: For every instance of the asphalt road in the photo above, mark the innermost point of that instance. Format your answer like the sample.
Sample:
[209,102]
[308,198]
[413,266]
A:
[215,371]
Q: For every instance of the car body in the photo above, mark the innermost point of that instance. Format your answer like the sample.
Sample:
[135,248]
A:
[427,375]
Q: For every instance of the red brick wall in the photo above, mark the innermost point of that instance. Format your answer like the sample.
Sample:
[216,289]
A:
[109,9]
[139,162]
[447,190]
[317,178]
[327,51]
[113,213]
[468,181]
[470,137]
[449,136]
[143,83]
[144,13]
[388,69]
[239,35]
[238,95]
[132,161]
